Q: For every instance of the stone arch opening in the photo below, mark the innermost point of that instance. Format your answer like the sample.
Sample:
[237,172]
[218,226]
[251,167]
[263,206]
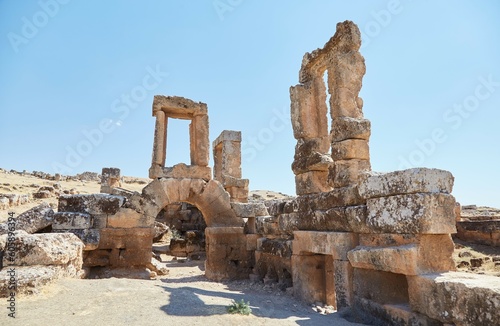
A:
[226,252]
[186,234]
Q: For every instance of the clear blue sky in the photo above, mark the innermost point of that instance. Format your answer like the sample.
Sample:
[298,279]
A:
[68,68]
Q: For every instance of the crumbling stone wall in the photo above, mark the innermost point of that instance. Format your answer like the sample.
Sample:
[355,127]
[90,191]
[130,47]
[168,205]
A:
[374,243]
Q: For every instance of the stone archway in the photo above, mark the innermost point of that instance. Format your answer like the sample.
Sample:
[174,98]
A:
[227,256]
[210,198]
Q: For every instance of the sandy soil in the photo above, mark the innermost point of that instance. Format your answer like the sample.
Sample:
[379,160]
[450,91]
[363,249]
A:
[185,297]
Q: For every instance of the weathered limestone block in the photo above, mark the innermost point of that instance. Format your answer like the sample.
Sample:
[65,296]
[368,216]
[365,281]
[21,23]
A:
[160,230]
[347,39]
[381,287]
[229,181]
[356,218]
[343,277]
[199,140]
[276,247]
[267,225]
[129,218]
[30,279]
[344,173]
[45,249]
[245,210]
[214,202]
[289,222]
[334,219]
[387,239]
[33,220]
[344,128]
[417,180]
[391,314]
[308,110]
[159,144]
[432,254]
[252,241]
[130,238]
[414,213]
[238,194]
[227,155]
[89,237]
[457,298]
[181,171]
[399,260]
[336,244]
[309,280]
[227,257]
[346,196]
[482,232]
[91,204]
[110,178]
[312,182]
[72,220]
[308,146]
[314,162]
[158,267]
[350,149]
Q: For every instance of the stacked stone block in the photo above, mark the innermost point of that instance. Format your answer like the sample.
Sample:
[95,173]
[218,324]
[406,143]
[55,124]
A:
[114,235]
[227,165]
[110,178]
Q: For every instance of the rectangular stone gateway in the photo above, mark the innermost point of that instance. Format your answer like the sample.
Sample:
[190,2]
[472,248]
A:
[175,107]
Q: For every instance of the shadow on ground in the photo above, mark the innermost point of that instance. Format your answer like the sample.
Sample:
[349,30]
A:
[194,301]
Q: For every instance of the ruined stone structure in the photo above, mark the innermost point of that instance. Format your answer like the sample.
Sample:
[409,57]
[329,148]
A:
[376,244]
[479,225]
[227,169]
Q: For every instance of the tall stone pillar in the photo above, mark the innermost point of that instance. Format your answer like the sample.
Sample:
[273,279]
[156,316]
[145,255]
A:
[160,144]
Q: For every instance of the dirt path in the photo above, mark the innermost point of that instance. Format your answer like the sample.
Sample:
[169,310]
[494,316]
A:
[185,297]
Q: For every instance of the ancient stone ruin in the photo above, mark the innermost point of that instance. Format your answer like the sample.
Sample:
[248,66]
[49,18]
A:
[376,245]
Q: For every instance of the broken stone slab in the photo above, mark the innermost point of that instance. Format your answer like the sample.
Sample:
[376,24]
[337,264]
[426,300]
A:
[72,220]
[417,180]
[336,244]
[158,267]
[426,213]
[45,249]
[89,237]
[33,220]
[457,298]
[91,204]
[160,230]
[30,279]
[344,128]
[245,210]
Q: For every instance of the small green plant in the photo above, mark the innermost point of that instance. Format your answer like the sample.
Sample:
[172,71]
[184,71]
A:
[241,308]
